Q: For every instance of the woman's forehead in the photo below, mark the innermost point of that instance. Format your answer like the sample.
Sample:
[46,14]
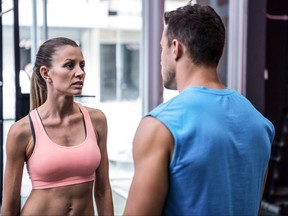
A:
[67,51]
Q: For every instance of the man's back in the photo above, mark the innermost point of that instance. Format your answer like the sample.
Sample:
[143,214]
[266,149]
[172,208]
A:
[221,151]
[205,151]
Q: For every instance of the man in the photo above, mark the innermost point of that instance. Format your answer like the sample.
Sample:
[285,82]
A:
[205,151]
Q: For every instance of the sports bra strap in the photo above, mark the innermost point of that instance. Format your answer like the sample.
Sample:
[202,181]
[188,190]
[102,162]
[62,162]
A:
[32,129]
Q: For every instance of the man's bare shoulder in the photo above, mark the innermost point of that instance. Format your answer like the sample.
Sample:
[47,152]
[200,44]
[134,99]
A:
[151,135]
[153,126]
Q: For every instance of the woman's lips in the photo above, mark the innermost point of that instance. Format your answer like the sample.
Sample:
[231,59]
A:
[78,84]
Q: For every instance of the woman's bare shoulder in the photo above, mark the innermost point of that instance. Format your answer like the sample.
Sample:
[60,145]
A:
[19,135]
[96,114]
[99,122]
[21,128]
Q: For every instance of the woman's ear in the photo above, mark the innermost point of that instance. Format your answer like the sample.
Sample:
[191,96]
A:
[177,49]
[45,73]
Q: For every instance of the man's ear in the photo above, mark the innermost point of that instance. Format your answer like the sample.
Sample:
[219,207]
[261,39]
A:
[45,73]
[177,49]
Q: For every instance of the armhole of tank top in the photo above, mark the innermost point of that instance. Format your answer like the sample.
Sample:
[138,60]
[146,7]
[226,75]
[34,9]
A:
[32,129]
[88,122]
[84,122]
[82,110]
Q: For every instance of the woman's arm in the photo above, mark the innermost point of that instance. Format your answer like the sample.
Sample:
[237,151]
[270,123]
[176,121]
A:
[102,190]
[17,140]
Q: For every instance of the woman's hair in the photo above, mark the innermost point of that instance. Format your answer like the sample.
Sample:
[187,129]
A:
[200,29]
[44,57]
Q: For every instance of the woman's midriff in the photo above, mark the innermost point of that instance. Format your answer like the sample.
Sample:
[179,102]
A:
[67,200]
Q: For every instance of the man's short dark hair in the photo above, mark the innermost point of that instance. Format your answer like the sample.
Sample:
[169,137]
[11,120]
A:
[200,29]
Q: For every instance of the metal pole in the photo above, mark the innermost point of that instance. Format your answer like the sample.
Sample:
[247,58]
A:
[34,32]
[1,107]
[237,42]
[119,67]
[152,88]
[44,28]
[17,61]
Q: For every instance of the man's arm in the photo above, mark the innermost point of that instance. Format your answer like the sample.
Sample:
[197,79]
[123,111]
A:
[152,150]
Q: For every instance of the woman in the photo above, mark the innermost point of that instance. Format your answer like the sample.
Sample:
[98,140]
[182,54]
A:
[62,142]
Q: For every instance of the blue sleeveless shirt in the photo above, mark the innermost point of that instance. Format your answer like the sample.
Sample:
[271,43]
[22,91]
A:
[222,147]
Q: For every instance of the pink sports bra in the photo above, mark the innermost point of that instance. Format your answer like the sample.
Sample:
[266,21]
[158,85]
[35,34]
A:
[52,165]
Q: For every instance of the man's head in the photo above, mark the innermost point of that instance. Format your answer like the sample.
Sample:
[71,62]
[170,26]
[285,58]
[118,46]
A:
[200,30]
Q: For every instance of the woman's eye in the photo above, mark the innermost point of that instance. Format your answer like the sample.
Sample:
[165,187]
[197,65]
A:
[70,66]
[82,66]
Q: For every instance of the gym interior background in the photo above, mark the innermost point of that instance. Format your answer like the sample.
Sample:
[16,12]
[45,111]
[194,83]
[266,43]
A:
[120,42]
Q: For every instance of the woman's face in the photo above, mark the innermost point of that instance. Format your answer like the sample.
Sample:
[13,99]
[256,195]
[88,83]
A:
[67,73]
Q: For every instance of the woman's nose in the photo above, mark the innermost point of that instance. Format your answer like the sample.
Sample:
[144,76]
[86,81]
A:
[79,72]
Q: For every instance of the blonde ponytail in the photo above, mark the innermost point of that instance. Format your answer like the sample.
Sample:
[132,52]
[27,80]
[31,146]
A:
[38,95]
